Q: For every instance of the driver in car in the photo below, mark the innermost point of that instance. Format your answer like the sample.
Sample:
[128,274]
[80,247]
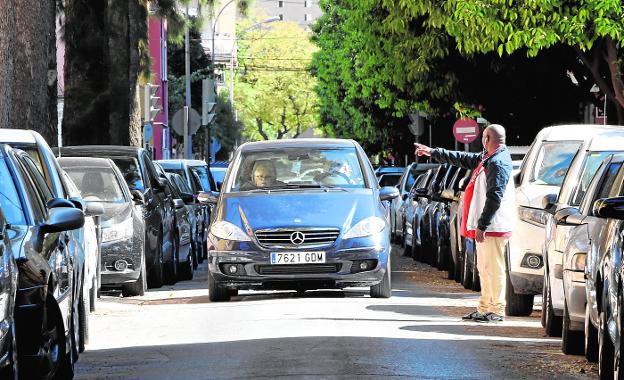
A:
[339,173]
[263,175]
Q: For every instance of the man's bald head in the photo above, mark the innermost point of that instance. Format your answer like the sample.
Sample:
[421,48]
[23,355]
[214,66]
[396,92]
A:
[497,133]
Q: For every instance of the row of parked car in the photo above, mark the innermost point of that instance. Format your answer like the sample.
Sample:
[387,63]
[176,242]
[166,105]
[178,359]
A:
[567,244]
[80,220]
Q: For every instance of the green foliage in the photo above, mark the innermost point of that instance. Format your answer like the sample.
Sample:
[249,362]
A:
[274,90]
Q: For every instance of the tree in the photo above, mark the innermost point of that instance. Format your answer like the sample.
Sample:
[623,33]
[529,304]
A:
[274,89]
[28,66]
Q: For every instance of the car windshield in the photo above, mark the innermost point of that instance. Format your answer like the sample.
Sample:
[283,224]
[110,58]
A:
[202,173]
[97,184]
[131,172]
[298,168]
[9,198]
[553,161]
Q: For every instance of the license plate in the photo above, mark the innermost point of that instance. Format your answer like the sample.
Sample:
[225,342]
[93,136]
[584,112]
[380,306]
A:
[278,258]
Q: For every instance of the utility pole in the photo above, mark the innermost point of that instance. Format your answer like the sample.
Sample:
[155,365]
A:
[188,142]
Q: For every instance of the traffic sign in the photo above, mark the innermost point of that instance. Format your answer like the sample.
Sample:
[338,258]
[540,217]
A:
[177,123]
[466,130]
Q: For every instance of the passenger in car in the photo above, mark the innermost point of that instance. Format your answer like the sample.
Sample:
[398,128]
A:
[263,175]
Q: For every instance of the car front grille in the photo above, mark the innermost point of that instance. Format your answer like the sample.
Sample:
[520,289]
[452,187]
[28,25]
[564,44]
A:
[283,238]
[297,269]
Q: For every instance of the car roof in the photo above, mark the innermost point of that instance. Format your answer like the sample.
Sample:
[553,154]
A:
[575,131]
[91,162]
[298,143]
[19,136]
[105,150]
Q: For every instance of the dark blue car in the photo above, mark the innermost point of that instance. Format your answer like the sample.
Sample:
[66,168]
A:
[300,214]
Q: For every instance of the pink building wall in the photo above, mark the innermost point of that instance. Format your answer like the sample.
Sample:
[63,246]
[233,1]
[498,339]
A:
[157,42]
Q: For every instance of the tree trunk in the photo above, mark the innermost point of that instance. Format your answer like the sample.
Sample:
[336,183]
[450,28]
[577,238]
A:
[85,116]
[139,63]
[260,129]
[28,66]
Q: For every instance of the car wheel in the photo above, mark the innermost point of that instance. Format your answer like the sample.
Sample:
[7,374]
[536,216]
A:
[171,268]
[93,294]
[591,338]
[216,293]
[605,346]
[10,372]
[571,340]
[476,280]
[467,272]
[155,280]
[552,323]
[408,249]
[201,253]
[518,305]
[187,269]
[384,288]
[83,324]
[234,292]
[138,287]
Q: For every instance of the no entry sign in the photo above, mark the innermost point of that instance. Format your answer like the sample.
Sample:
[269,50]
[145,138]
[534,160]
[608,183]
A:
[465,130]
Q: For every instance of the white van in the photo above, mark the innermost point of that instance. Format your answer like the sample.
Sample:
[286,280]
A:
[553,152]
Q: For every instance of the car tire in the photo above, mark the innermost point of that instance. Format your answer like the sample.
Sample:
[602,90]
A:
[591,338]
[138,287]
[216,293]
[83,324]
[467,273]
[552,323]
[196,252]
[234,292]
[65,364]
[203,250]
[408,249]
[572,342]
[11,372]
[476,280]
[384,288]
[518,305]
[93,294]
[171,268]
[187,269]
[155,280]
[605,346]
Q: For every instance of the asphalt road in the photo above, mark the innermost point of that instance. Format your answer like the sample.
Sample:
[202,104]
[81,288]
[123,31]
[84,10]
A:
[177,333]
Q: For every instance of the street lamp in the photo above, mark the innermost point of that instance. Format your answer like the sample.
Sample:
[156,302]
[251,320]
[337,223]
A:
[231,88]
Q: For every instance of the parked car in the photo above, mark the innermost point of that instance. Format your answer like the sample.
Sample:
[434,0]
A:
[257,242]
[388,169]
[8,290]
[543,170]
[413,211]
[189,169]
[606,289]
[397,218]
[187,235]
[389,179]
[429,226]
[149,189]
[573,189]
[447,229]
[82,241]
[40,242]
[122,258]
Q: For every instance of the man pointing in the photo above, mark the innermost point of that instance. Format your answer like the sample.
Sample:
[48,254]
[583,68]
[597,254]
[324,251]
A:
[489,214]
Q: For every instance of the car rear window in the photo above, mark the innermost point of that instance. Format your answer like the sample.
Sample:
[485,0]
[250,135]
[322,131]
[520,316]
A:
[97,184]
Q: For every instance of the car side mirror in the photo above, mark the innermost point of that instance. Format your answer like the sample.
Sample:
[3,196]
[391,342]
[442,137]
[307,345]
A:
[178,203]
[137,197]
[59,202]
[208,197]
[548,202]
[569,216]
[62,219]
[189,199]
[94,209]
[388,193]
[609,208]
[516,179]
[421,192]
[162,183]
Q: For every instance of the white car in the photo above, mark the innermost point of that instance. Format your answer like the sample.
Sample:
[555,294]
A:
[552,154]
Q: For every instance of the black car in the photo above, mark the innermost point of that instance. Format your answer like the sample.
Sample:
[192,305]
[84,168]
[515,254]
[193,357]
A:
[446,221]
[149,189]
[122,261]
[428,226]
[37,226]
[277,227]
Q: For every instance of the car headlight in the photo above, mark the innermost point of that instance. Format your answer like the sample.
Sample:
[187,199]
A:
[533,216]
[119,231]
[578,261]
[228,231]
[366,227]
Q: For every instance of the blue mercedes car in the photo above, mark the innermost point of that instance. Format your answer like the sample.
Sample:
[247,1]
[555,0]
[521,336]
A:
[300,214]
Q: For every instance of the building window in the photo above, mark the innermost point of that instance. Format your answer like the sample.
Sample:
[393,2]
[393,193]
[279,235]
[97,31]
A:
[280,4]
[281,17]
[307,3]
[307,17]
